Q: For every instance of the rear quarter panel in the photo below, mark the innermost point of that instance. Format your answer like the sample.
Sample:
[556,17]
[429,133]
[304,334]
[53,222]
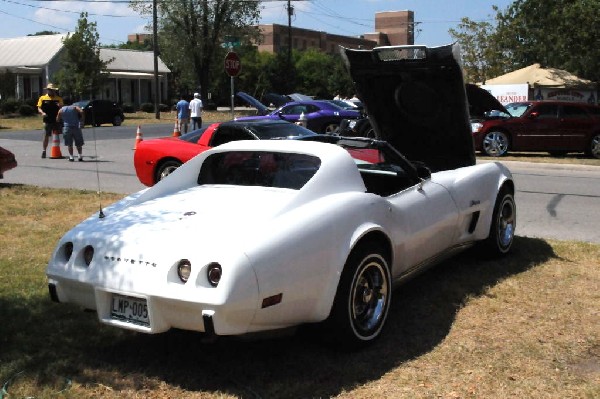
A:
[304,256]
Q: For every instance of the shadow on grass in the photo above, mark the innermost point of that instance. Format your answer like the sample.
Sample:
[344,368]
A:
[52,342]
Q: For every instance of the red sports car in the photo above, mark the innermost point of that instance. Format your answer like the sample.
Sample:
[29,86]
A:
[156,159]
[7,161]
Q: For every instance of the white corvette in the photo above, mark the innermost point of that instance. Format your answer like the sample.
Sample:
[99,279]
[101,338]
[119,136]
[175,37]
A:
[262,235]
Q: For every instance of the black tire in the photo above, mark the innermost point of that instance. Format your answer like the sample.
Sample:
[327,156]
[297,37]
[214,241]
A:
[166,168]
[367,130]
[362,299]
[117,120]
[495,144]
[504,223]
[594,147]
[331,128]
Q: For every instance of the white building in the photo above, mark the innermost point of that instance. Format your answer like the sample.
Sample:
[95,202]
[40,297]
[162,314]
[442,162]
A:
[33,61]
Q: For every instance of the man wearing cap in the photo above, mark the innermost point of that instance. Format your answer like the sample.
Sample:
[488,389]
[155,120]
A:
[48,106]
[196,111]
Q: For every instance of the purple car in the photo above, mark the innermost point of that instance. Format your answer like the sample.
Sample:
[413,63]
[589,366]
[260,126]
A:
[322,116]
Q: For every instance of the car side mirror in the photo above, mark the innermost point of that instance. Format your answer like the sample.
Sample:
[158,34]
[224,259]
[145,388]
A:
[423,172]
[280,114]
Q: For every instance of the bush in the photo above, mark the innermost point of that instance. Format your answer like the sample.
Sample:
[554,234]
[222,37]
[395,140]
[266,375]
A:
[26,110]
[32,102]
[164,108]
[147,107]
[210,106]
[128,108]
[9,106]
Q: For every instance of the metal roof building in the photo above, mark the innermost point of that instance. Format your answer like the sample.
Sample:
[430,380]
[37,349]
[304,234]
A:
[33,61]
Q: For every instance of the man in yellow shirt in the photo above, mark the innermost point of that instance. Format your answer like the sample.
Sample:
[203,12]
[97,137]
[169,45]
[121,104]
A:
[48,106]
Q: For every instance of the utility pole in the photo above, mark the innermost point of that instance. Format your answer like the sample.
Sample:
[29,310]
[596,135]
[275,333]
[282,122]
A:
[290,10]
[155,49]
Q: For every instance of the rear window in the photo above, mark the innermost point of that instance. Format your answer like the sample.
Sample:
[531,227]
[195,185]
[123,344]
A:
[259,168]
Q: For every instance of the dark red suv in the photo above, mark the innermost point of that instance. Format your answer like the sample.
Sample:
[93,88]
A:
[552,126]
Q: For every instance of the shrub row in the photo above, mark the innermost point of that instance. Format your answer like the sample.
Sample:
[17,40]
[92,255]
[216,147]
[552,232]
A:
[29,107]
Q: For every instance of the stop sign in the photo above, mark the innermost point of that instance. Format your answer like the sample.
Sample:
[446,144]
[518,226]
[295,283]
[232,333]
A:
[233,65]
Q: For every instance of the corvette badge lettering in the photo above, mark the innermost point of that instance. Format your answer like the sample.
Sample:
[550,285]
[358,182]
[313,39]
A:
[127,260]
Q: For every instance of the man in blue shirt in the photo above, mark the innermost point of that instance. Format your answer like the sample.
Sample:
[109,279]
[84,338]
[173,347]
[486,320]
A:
[183,114]
[71,117]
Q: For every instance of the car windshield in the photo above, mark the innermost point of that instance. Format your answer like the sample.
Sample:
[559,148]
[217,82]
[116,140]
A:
[517,109]
[81,104]
[193,136]
[259,168]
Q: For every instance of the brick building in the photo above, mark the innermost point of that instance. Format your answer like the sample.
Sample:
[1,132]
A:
[392,28]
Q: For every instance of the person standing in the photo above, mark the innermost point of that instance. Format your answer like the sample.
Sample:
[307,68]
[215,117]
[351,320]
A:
[196,111]
[48,106]
[71,117]
[183,114]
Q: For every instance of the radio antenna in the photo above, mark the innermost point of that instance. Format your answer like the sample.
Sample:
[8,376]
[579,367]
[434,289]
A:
[101,213]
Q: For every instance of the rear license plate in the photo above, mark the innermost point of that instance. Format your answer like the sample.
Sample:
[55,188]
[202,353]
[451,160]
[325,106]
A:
[129,309]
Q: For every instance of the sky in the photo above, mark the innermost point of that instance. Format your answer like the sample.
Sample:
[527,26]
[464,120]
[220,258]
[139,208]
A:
[115,20]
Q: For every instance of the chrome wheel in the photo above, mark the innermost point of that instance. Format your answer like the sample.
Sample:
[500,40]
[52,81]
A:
[331,128]
[595,146]
[369,297]
[362,299]
[505,223]
[166,169]
[495,144]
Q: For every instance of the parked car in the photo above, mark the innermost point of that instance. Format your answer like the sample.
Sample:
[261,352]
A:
[552,126]
[98,112]
[7,161]
[156,159]
[322,116]
[258,235]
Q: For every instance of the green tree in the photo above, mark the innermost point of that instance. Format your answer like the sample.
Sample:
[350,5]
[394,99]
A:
[561,34]
[479,57]
[82,71]
[43,33]
[145,46]
[314,69]
[190,34]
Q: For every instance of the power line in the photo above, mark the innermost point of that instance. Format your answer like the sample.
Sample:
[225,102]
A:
[68,11]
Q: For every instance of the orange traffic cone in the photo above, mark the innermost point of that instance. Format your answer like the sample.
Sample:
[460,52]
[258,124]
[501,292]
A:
[55,152]
[176,131]
[138,137]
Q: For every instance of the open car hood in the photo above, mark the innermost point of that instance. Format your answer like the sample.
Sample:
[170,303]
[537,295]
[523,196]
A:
[482,101]
[416,100]
[253,102]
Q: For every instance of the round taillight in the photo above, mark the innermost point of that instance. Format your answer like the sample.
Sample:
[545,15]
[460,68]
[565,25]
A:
[184,269]
[68,250]
[88,254]
[213,273]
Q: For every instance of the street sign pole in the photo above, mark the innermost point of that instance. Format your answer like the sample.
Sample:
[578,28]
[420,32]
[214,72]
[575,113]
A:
[232,98]
[233,66]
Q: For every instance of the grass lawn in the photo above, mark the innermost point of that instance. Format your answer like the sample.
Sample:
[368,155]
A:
[15,122]
[525,326]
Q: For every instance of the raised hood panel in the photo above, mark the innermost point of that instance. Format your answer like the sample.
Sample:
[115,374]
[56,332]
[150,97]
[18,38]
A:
[415,98]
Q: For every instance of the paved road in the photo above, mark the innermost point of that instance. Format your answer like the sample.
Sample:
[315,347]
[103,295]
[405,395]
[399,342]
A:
[554,201]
